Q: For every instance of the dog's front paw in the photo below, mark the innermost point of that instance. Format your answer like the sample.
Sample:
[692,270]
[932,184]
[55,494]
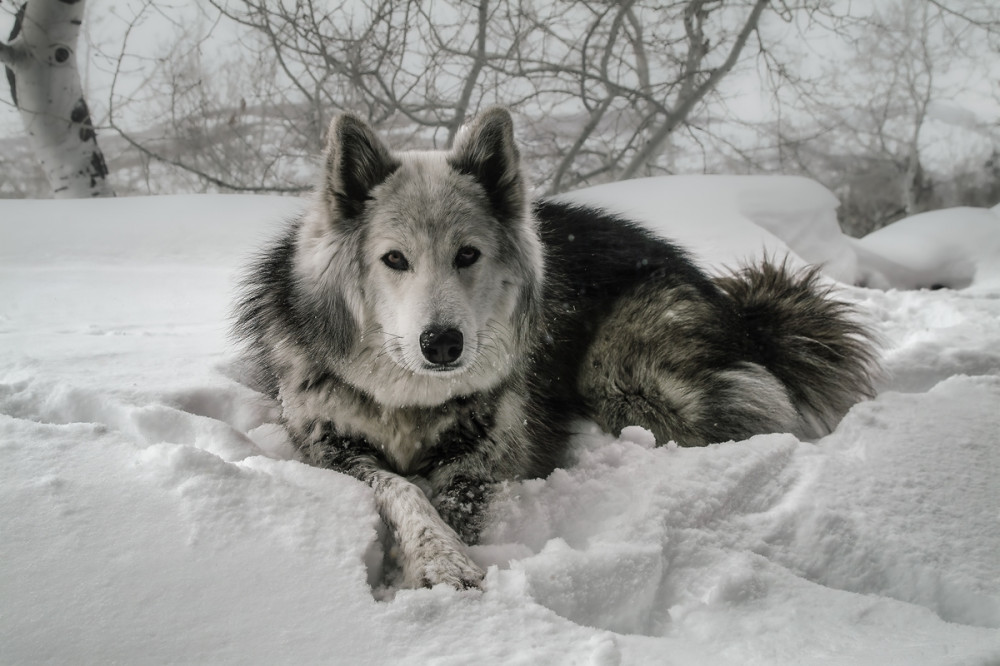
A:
[438,560]
[454,569]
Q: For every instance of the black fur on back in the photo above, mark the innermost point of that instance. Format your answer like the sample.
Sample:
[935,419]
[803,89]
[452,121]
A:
[594,255]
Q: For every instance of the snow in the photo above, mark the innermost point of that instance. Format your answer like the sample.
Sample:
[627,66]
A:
[953,247]
[151,511]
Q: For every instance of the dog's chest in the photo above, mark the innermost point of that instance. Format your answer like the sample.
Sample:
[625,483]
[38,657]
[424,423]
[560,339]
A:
[409,439]
[406,438]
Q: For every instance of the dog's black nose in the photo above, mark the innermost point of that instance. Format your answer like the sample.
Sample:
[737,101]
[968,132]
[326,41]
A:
[441,346]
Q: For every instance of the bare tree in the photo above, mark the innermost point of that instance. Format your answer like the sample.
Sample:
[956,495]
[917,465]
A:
[864,125]
[898,112]
[40,59]
[696,80]
[605,84]
[608,89]
[636,76]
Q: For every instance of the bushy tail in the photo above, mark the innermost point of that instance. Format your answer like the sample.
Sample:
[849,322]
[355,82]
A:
[814,344]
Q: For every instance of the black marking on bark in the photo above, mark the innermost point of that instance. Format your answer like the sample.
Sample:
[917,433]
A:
[99,168]
[18,20]
[80,113]
[13,85]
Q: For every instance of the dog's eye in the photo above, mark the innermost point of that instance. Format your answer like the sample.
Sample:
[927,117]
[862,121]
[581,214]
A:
[395,260]
[466,257]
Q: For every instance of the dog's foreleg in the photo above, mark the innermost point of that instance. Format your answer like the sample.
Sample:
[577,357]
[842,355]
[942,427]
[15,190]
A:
[461,501]
[463,483]
[430,551]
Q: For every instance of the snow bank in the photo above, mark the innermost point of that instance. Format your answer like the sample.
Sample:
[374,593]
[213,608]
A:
[954,248]
[151,510]
[192,229]
[730,219]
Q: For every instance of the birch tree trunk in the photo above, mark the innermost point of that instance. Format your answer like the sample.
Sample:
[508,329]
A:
[45,85]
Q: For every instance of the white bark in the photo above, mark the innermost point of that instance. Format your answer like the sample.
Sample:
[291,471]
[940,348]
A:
[49,96]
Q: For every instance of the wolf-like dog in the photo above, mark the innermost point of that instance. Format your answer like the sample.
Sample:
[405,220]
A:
[430,331]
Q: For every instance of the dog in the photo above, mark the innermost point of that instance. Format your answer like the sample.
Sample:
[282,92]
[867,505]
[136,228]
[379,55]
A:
[431,331]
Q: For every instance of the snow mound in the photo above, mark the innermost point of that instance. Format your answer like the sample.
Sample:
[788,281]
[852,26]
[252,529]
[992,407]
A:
[954,247]
[151,509]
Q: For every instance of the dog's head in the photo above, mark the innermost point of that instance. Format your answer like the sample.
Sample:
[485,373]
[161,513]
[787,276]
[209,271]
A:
[430,260]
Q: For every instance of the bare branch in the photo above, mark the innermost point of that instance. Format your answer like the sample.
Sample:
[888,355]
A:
[472,78]
[605,83]
[990,24]
[218,182]
[692,94]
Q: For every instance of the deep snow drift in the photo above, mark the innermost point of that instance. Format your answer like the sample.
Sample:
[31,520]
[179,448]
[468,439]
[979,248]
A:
[151,511]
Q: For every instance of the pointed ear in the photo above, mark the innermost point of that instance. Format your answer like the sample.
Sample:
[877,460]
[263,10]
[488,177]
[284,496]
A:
[356,161]
[487,152]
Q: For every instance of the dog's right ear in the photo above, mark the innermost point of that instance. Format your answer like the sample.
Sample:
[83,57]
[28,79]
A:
[486,150]
[356,161]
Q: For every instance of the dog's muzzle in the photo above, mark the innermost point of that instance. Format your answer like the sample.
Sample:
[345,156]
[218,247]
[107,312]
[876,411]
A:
[441,346]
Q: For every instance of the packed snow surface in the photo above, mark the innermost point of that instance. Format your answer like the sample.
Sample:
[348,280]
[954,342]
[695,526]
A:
[151,510]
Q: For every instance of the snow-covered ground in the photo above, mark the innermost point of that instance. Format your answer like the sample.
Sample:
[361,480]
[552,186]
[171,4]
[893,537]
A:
[151,512]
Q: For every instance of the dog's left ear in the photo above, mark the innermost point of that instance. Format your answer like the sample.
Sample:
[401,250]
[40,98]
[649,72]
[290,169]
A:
[487,152]
[356,161]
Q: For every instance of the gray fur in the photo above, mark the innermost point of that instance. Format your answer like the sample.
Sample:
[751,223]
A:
[558,312]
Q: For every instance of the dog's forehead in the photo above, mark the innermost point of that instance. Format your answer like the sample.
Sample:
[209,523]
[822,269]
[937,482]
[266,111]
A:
[425,194]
